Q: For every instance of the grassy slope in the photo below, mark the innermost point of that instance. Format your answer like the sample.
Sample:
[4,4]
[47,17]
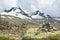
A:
[13,26]
[30,35]
[4,38]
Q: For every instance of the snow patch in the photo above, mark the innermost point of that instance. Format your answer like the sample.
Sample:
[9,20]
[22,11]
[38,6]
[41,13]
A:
[14,14]
[23,16]
[17,10]
[4,13]
[37,17]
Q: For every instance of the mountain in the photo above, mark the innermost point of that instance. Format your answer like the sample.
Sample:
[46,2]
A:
[37,15]
[16,11]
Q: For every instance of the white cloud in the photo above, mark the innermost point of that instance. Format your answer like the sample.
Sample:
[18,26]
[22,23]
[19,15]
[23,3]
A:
[45,3]
[10,3]
[5,4]
[33,8]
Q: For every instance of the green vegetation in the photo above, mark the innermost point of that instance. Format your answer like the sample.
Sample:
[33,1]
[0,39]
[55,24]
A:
[4,38]
[42,35]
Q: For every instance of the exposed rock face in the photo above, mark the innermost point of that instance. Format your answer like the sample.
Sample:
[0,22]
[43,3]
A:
[46,27]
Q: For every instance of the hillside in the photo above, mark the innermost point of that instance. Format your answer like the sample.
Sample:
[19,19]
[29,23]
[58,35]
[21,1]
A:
[11,26]
[17,28]
[30,34]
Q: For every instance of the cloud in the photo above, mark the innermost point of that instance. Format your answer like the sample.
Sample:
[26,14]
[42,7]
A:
[43,4]
[4,4]
[33,8]
[10,3]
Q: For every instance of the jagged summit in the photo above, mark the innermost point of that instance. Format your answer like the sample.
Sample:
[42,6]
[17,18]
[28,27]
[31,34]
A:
[12,9]
[16,11]
[40,15]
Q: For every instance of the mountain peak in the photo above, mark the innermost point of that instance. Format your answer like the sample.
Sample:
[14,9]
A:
[12,9]
[40,15]
[16,11]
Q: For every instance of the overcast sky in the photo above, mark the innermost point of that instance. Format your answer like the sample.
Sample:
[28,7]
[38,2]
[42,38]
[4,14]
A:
[51,7]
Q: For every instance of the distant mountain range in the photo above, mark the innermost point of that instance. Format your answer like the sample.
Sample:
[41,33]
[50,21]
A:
[18,12]
[22,12]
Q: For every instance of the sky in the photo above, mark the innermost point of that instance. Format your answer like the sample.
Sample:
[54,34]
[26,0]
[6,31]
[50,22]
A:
[51,7]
